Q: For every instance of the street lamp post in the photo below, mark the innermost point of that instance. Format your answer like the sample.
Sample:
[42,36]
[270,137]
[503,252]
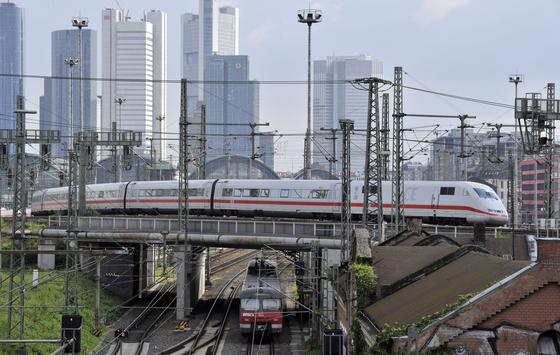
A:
[119,100]
[80,23]
[309,17]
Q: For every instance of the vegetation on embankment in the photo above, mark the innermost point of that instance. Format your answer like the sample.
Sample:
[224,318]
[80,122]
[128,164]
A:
[44,307]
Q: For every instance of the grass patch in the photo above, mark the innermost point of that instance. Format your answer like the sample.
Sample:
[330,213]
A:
[44,307]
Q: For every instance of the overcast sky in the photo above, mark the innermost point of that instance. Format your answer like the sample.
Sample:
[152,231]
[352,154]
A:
[464,47]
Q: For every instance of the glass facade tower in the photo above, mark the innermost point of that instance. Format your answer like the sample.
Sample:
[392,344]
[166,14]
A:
[11,61]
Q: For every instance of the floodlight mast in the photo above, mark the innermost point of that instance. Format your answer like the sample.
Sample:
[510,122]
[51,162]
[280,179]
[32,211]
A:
[309,17]
[81,22]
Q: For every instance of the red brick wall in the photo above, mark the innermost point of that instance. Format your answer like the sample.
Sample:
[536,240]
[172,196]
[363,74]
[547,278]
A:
[537,312]
[548,251]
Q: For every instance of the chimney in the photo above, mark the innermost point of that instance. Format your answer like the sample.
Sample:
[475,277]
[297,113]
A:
[548,250]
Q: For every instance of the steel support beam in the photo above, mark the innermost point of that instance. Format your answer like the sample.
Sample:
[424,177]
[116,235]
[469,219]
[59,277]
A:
[385,151]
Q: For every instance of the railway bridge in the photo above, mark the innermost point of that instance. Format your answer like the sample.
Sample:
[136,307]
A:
[145,237]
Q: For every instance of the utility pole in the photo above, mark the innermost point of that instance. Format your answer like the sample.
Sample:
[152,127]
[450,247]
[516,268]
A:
[332,159]
[19,206]
[346,126]
[511,201]
[549,200]
[254,154]
[203,141]
[115,169]
[80,23]
[398,141]
[183,207]
[309,17]
[372,189]
[385,151]
[516,79]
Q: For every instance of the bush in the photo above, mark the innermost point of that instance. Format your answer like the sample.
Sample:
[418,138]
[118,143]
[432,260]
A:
[366,282]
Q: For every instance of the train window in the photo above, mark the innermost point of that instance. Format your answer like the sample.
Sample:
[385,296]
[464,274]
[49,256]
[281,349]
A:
[196,192]
[254,192]
[318,194]
[160,193]
[227,192]
[237,192]
[246,192]
[101,194]
[447,191]
[284,193]
[270,305]
[265,193]
[249,304]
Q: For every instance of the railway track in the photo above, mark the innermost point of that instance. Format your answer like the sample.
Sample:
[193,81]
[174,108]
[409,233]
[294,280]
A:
[140,329]
[257,345]
[226,264]
[207,337]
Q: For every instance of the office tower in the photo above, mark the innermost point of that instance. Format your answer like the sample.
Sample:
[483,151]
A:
[333,101]
[54,104]
[135,50]
[11,61]
[210,52]
[229,118]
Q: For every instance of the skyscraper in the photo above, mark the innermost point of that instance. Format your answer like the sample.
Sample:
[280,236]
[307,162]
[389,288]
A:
[135,50]
[11,61]
[232,106]
[210,52]
[333,101]
[216,34]
[54,103]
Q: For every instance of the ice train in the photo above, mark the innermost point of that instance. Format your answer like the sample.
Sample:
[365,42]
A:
[436,202]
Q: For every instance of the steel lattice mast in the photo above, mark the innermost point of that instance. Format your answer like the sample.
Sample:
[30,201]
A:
[550,96]
[346,126]
[372,189]
[398,139]
[184,194]
[385,136]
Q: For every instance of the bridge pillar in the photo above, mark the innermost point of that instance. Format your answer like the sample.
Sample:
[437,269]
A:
[479,230]
[191,287]
[414,225]
[151,265]
[46,261]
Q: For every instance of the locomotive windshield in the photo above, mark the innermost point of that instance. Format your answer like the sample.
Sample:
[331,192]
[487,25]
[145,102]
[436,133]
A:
[485,194]
[252,304]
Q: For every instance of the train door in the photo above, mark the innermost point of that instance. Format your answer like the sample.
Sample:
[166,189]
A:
[435,203]
[122,194]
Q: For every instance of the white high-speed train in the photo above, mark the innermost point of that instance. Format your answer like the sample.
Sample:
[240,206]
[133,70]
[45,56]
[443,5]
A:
[439,202]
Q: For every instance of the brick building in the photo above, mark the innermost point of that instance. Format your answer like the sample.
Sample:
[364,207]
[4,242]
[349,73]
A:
[517,313]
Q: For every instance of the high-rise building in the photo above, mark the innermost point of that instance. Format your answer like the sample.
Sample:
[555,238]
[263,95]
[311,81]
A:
[230,108]
[333,101]
[11,61]
[54,104]
[210,52]
[135,50]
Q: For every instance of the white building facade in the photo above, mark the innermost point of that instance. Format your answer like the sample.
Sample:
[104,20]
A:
[135,50]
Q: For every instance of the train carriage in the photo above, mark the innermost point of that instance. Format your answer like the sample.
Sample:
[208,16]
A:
[261,305]
[437,202]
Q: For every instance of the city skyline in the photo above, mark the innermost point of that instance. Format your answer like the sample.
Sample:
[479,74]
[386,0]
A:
[279,42]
